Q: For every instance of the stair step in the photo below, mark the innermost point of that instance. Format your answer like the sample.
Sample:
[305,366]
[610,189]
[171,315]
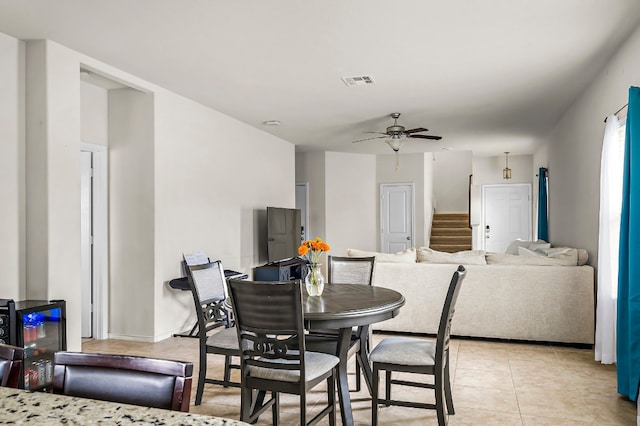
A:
[437,231]
[451,216]
[450,240]
[450,248]
[450,224]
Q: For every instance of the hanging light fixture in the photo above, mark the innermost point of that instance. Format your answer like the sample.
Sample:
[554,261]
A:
[506,172]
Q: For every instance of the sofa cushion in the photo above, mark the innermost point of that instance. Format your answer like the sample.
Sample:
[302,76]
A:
[568,259]
[467,257]
[582,254]
[406,256]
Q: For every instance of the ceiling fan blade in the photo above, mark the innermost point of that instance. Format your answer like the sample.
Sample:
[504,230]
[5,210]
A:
[368,139]
[378,133]
[435,138]
[416,130]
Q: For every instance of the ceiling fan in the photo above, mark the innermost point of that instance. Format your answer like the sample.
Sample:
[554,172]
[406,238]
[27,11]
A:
[396,135]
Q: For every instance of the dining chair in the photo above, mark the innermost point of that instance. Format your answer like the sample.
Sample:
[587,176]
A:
[11,358]
[270,325]
[413,355]
[148,382]
[348,270]
[208,287]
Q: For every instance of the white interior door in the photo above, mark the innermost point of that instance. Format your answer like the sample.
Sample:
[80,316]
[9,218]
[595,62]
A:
[396,217]
[507,215]
[86,236]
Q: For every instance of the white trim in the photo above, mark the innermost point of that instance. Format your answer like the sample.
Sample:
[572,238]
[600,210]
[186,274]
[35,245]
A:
[100,240]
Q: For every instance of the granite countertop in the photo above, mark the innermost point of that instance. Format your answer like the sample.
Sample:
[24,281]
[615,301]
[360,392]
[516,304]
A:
[18,406]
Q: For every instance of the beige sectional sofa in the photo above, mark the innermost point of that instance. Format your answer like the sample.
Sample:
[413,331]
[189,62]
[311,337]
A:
[501,297]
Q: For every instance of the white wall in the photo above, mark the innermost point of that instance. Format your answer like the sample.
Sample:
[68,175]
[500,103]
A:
[94,123]
[429,206]
[451,170]
[175,143]
[351,202]
[131,214]
[12,169]
[574,149]
[488,170]
[214,178]
[52,182]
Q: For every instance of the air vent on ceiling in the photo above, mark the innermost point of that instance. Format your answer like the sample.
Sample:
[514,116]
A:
[358,80]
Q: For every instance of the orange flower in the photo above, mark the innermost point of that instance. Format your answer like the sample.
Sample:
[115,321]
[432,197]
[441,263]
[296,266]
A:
[313,249]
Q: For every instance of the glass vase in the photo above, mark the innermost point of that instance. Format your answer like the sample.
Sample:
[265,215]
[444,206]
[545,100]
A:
[314,280]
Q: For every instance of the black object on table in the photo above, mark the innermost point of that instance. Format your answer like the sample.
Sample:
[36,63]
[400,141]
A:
[283,270]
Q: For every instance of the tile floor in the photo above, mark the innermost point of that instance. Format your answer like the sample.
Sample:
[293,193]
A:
[494,383]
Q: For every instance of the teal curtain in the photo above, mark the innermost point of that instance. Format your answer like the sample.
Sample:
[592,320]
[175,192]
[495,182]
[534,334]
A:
[543,224]
[628,324]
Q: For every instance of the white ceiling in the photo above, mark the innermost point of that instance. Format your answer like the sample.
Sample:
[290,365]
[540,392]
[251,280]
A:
[489,76]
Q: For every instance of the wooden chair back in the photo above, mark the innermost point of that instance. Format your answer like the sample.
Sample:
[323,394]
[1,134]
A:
[351,270]
[444,328]
[270,324]
[209,290]
[11,358]
[149,382]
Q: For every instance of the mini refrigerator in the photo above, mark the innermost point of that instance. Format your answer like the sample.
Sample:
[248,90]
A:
[40,327]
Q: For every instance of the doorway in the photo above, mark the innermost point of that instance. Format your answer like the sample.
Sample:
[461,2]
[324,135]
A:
[506,215]
[302,204]
[94,241]
[396,217]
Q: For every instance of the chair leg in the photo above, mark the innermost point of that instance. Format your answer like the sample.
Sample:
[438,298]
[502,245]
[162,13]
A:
[358,379]
[246,396]
[331,397]
[447,390]
[439,391]
[374,395]
[202,374]
[275,408]
[227,369]
[387,385]
[303,409]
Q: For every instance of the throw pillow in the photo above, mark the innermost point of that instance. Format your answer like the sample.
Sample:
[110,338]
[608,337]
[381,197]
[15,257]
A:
[522,251]
[513,247]
[406,256]
[583,257]
[538,246]
[467,257]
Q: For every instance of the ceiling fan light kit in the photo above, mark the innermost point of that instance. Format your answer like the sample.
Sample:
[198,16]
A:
[396,135]
[395,142]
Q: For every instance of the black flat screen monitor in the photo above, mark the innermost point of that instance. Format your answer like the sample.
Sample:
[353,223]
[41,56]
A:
[283,233]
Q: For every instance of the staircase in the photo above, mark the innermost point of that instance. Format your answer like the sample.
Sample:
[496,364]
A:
[450,232]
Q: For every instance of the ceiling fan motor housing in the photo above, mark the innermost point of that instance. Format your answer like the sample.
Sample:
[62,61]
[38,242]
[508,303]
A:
[395,130]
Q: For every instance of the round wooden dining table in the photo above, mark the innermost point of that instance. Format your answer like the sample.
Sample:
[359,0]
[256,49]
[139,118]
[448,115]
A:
[341,307]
